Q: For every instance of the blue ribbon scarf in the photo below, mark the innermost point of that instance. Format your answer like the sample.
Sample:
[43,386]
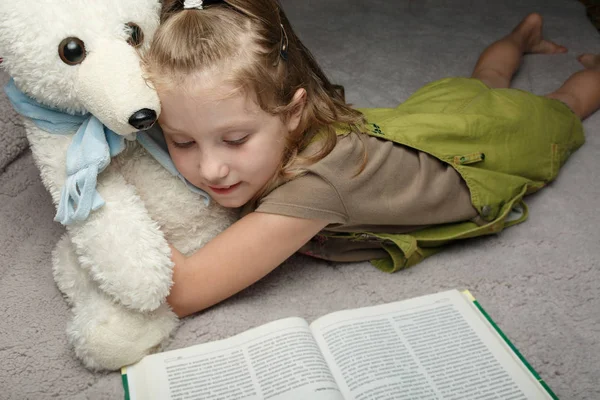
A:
[89,153]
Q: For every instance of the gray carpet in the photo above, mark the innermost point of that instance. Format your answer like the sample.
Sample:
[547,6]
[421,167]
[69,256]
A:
[540,281]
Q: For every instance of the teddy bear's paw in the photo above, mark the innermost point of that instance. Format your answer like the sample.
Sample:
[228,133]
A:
[139,295]
[130,264]
[74,280]
[106,336]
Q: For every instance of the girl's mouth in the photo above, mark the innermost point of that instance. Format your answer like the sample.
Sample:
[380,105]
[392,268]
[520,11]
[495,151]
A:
[224,189]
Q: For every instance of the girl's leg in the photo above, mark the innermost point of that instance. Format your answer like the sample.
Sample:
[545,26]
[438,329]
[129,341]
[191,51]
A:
[581,92]
[498,63]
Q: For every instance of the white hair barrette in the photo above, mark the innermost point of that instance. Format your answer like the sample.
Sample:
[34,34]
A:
[187,4]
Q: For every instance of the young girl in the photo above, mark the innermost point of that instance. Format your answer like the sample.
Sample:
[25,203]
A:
[250,117]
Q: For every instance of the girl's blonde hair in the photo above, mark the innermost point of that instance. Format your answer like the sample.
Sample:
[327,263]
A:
[254,42]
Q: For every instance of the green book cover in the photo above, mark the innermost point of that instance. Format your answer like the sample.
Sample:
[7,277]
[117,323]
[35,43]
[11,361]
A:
[509,343]
[125,383]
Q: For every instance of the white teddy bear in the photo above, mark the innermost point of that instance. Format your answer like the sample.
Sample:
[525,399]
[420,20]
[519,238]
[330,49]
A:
[75,67]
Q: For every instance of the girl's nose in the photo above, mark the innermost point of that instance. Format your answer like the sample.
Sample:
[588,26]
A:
[213,169]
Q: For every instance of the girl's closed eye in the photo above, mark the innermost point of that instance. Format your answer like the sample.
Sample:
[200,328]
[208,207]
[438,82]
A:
[236,142]
[183,145]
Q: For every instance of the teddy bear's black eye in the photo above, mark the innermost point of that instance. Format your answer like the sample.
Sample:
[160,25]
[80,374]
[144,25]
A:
[136,36]
[71,50]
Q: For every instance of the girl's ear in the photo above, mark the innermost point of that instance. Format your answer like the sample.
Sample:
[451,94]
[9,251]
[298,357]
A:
[297,109]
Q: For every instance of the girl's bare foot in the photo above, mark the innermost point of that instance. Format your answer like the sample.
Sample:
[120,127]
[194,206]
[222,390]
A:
[499,61]
[529,36]
[590,61]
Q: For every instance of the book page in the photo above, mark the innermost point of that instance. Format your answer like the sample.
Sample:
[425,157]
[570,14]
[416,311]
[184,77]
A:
[275,361]
[432,347]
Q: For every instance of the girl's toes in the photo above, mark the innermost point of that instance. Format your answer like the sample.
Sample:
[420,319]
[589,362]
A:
[589,60]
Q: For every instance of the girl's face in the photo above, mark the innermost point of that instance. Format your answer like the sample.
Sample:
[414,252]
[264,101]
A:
[222,143]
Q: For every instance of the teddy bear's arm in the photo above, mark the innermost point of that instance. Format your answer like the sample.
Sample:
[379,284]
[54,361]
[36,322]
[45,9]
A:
[119,244]
[123,248]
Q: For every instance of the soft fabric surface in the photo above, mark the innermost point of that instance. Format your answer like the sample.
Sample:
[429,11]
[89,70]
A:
[540,281]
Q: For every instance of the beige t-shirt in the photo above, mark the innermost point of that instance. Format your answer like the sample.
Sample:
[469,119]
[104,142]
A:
[399,190]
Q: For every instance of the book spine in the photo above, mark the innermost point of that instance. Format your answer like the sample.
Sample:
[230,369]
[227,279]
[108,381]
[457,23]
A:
[512,347]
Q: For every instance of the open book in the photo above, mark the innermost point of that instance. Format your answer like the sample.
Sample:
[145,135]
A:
[440,346]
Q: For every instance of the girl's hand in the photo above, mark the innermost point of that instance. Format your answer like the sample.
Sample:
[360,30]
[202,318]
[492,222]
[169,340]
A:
[173,298]
[177,257]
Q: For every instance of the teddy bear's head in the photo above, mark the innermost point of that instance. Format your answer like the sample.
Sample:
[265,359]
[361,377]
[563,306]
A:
[81,56]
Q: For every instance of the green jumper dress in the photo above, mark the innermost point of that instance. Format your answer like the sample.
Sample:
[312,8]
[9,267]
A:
[505,143]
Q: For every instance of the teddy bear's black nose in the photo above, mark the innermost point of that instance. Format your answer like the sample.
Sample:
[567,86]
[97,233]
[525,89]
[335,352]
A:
[143,119]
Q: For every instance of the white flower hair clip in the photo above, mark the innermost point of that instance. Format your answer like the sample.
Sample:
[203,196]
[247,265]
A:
[188,4]
[199,4]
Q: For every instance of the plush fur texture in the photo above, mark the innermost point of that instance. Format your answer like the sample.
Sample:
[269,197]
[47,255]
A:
[114,269]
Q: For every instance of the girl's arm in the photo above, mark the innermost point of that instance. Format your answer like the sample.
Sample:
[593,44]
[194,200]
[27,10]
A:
[239,256]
